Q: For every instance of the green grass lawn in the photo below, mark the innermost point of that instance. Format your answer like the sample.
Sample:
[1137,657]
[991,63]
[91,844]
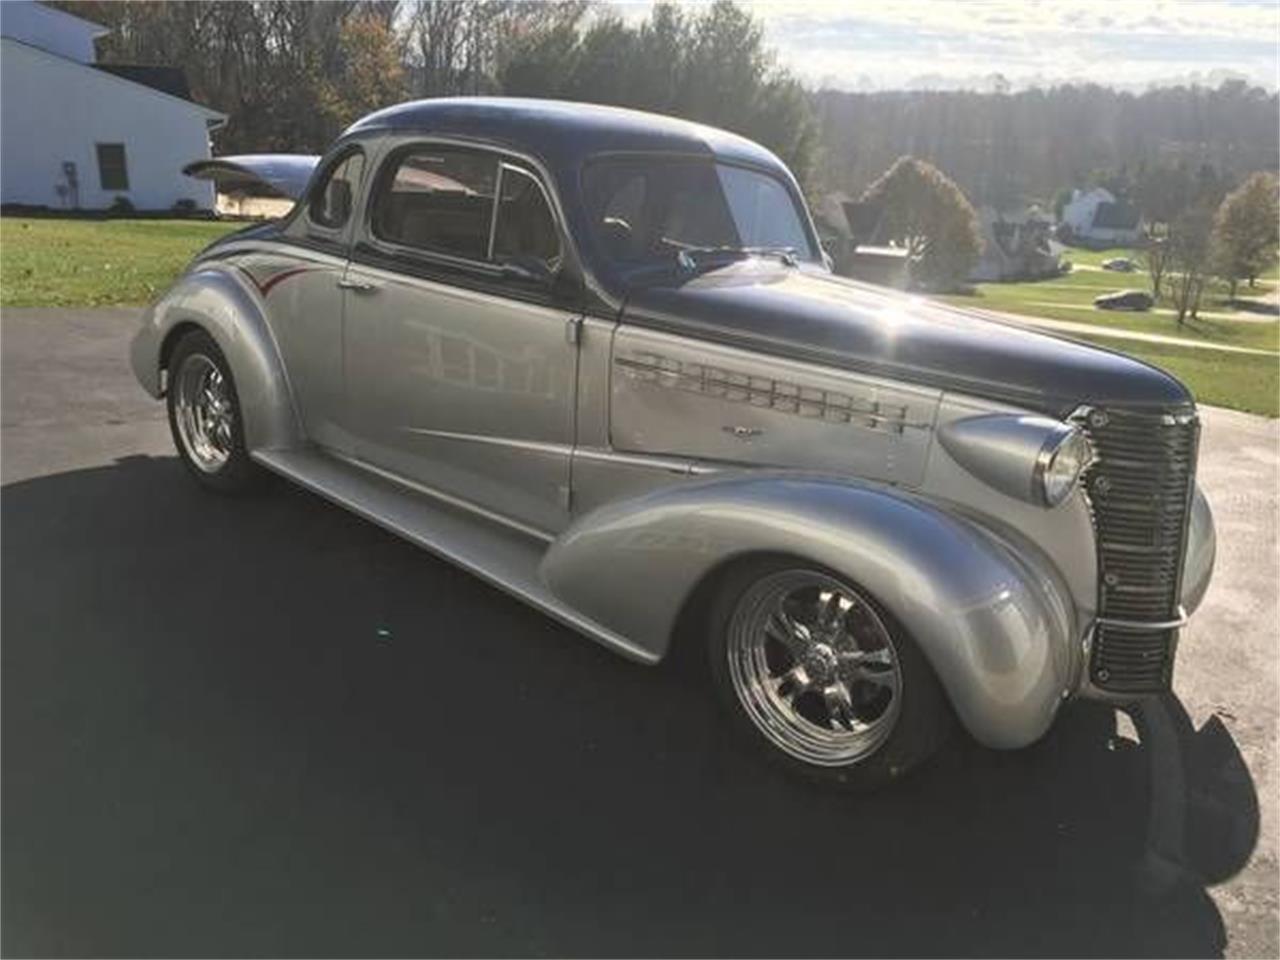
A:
[1070,297]
[71,263]
[1236,380]
[1240,381]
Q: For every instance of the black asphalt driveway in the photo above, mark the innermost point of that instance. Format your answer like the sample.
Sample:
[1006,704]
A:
[265,727]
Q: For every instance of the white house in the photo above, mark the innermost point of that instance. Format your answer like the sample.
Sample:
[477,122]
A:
[73,134]
[1096,216]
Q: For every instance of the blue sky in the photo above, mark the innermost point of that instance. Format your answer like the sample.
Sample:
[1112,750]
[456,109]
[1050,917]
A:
[886,44]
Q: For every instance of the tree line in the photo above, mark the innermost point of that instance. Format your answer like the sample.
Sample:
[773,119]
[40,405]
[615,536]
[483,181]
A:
[1010,149]
[292,74]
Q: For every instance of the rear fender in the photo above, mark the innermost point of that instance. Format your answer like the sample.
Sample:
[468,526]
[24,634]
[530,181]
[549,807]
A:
[995,623]
[215,299]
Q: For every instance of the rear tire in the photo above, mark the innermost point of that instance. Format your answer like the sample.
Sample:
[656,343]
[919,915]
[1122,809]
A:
[204,416]
[815,671]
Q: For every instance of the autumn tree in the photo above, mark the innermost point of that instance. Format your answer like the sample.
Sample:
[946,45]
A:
[369,73]
[278,68]
[1246,228]
[922,210]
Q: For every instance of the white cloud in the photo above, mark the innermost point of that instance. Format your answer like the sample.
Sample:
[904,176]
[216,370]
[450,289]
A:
[887,43]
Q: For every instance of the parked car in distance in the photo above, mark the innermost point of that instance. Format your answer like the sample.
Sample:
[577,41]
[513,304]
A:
[1119,264]
[596,357]
[1124,300]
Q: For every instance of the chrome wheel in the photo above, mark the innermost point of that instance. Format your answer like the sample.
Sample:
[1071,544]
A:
[814,667]
[204,413]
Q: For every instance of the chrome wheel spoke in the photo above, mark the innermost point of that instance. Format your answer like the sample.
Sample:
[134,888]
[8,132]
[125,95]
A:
[881,678]
[839,706]
[832,607]
[858,662]
[789,632]
[791,684]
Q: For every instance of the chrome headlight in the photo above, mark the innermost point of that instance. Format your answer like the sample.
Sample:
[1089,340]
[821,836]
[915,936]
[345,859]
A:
[1028,457]
[1061,461]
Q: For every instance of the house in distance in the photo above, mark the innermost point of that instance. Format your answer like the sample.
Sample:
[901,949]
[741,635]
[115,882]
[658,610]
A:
[76,134]
[1096,218]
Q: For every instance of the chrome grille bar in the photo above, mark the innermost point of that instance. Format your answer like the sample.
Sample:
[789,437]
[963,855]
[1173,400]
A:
[1140,487]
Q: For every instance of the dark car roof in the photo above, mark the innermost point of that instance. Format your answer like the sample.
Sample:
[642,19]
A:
[561,132]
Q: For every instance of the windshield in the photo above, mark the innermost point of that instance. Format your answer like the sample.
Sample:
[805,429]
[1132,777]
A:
[643,210]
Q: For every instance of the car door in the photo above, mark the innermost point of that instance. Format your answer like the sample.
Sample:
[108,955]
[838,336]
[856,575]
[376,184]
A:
[460,345]
[303,293]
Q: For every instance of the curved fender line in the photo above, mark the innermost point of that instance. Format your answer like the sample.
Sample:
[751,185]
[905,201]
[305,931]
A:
[998,627]
[219,301]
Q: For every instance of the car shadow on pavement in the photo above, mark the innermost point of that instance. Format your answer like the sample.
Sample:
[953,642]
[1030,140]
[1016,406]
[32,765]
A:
[264,727]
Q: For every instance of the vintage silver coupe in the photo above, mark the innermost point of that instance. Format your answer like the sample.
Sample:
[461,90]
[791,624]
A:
[597,357]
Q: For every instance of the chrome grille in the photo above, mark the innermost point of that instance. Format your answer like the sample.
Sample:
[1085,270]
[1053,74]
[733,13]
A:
[1140,488]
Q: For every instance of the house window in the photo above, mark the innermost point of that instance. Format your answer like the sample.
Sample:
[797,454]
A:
[112,172]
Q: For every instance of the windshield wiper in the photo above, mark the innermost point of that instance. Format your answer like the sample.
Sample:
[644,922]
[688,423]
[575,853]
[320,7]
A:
[688,255]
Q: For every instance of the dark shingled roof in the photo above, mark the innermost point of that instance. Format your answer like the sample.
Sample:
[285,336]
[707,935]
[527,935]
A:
[170,80]
[1116,216]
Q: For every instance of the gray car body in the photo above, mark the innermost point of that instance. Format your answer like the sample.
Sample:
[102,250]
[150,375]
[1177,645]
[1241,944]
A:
[606,455]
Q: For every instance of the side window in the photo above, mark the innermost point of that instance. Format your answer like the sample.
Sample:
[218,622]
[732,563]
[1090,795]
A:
[439,199]
[331,206]
[525,226]
[619,196]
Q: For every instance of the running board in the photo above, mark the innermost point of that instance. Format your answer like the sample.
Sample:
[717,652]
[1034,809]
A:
[504,557]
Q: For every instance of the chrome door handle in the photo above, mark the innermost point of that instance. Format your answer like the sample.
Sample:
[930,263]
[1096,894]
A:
[357,286]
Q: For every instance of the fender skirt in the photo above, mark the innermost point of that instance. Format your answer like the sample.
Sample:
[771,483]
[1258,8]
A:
[996,624]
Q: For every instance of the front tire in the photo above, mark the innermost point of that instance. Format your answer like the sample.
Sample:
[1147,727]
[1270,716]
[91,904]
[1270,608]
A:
[813,669]
[204,416]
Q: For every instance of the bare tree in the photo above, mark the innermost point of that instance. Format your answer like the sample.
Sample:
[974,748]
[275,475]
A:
[459,47]
[1156,258]
[1189,246]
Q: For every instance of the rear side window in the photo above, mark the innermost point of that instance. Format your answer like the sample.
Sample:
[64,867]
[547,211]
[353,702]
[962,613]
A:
[331,205]
[439,199]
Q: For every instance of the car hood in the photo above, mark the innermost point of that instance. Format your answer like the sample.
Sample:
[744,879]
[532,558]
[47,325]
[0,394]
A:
[812,315]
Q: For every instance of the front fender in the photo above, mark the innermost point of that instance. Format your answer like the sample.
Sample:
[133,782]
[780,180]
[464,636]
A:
[997,626]
[215,299]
